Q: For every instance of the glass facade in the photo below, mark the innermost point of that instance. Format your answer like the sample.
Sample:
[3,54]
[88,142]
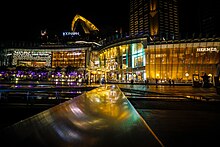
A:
[181,61]
[123,63]
[63,59]
[163,61]
[114,60]
[138,55]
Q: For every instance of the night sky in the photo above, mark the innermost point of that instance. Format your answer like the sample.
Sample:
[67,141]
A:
[23,20]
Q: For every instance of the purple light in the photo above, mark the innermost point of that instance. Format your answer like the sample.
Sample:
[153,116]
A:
[73,73]
[59,74]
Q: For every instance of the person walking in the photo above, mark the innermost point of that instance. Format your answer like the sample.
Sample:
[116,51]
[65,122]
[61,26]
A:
[170,82]
[205,78]
[103,81]
[173,82]
[132,81]
[156,82]
[147,82]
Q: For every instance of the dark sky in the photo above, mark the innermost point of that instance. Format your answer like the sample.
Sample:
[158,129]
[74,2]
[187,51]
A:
[189,12]
[22,20]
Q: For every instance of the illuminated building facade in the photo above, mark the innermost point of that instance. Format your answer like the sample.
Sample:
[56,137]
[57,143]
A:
[75,58]
[160,60]
[125,60]
[180,61]
[154,18]
[94,70]
[62,63]
[46,57]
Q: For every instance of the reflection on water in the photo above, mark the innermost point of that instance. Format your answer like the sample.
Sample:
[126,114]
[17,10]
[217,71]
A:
[24,93]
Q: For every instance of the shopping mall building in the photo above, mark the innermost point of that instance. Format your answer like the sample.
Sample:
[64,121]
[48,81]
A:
[139,59]
[124,59]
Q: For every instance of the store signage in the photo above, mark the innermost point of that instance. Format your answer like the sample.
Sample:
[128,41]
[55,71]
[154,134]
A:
[70,33]
[207,49]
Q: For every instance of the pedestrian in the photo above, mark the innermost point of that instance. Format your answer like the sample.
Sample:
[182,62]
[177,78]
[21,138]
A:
[132,81]
[205,78]
[147,82]
[170,82]
[173,82]
[87,81]
[156,82]
[103,80]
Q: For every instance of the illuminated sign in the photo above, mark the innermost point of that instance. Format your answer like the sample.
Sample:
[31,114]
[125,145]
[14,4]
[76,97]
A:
[70,33]
[207,49]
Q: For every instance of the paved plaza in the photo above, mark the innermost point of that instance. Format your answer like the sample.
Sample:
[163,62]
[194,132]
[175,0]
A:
[177,90]
[192,119]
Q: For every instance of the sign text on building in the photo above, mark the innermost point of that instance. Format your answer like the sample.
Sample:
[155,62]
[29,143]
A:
[207,49]
[70,33]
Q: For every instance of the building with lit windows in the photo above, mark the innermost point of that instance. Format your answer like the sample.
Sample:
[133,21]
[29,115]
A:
[139,57]
[125,60]
[177,60]
[155,18]
[62,62]
[50,56]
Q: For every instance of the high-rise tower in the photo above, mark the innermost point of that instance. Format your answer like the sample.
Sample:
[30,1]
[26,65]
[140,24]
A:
[155,18]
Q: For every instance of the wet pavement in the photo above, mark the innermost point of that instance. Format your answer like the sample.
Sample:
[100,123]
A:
[101,117]
[187,91]
[192,119]
[178,115]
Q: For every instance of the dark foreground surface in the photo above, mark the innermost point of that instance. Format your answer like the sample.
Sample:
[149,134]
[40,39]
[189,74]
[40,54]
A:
[182,124]
[11,114]
[176,122]
[100,117]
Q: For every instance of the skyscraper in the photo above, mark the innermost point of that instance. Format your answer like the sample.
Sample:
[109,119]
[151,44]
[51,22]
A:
[155,18]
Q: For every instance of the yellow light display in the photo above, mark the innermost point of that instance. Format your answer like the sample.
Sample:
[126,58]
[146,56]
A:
[87,25]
